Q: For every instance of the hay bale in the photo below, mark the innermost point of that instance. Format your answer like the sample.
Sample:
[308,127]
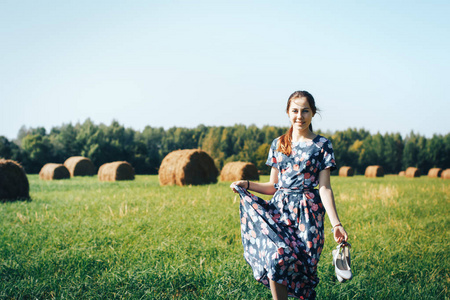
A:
[53,171]
[445,174]
[13,181]
[239,170]
[374,171]
[412,172]
[189,166]
[79,166]
[113,171]
[346,172]
[435,172]
[402,173]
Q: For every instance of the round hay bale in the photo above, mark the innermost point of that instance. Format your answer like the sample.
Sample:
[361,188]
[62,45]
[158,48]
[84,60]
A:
[445,174]
[346,172]
[118,170]
[13,181]
[79,166]
[412,172]
[435,172]
[374,171]
[185,167]
[402,173]
[239,170]
[53,171]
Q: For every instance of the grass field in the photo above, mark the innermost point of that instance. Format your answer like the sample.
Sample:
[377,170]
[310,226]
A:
[84,239]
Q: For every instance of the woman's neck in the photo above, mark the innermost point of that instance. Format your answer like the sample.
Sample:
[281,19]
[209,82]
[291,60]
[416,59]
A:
[302,136]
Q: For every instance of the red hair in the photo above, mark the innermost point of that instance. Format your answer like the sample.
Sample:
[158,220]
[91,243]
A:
[285,141]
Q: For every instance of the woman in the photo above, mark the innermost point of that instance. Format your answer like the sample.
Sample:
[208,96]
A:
[283,238]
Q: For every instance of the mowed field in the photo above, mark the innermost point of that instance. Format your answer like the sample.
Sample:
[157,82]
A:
[85,239]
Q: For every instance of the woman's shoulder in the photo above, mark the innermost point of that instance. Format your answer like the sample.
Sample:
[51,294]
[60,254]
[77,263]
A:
[320,141]
[275,142]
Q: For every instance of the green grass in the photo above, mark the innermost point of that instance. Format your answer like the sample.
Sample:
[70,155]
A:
[81,238]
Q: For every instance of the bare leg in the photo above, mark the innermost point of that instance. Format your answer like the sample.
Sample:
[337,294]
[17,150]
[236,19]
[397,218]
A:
[279,291]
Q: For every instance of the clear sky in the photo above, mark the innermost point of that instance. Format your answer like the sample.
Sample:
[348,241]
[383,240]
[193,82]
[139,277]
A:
[379,65]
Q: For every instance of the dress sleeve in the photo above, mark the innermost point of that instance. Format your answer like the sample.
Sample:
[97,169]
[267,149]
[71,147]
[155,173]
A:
[328,160]
[271,159]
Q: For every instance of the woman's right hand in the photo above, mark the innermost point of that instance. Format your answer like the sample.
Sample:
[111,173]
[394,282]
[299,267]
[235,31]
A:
[241,183]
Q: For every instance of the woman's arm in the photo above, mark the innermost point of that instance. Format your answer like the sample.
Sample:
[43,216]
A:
[326,194]
[266,188]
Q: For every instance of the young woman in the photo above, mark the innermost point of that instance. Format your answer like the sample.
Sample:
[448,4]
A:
[283,238]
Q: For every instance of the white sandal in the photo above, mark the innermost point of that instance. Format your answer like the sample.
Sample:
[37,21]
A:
[342,262]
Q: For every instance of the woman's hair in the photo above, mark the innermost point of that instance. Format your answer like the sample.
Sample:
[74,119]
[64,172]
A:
[285,141]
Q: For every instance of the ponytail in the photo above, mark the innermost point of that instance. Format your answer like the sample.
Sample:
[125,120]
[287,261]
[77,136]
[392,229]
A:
[285,142]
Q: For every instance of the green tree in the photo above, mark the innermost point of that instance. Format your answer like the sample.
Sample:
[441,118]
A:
[414,152]
[261,158]
[348,148]
[211,144]
[9,150]
[5,148]
[152,140]
[64,142]
[392,153]
[37,150]
[372,151]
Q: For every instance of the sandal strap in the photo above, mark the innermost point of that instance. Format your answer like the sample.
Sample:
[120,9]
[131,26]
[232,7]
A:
[343,245]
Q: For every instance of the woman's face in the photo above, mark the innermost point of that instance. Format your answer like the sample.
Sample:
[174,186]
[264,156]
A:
[300,114]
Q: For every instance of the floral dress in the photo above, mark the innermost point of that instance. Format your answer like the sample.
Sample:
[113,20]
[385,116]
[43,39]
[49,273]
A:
[283,238]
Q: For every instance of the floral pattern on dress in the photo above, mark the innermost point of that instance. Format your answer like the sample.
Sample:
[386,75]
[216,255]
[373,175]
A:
[283,238]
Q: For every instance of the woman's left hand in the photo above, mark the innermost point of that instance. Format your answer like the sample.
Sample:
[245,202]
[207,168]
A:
[340,235]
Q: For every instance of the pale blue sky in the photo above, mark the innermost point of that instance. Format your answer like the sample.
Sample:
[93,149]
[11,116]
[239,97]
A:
[379,65]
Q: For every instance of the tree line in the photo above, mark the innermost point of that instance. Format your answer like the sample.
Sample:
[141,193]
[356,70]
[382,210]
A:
[145,149]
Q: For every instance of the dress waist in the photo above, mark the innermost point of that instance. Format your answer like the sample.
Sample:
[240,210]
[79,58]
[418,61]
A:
[295,190]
